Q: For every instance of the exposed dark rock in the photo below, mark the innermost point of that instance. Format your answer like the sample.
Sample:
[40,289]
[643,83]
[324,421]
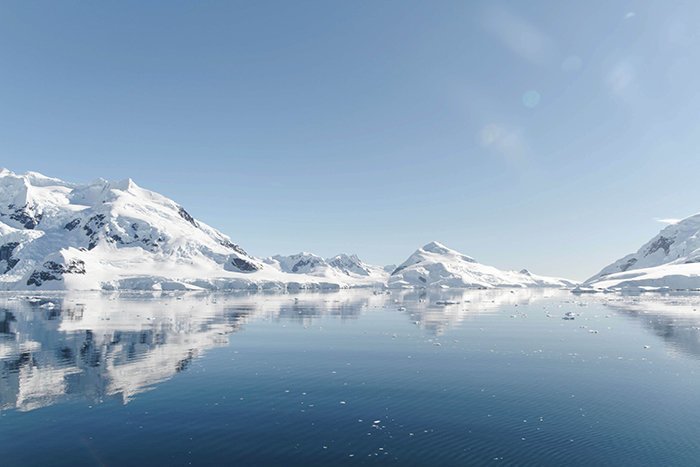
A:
[304,262]
[72,224]
[244,265]
[54,271]
[116,239]
[25,216]
[6,255]
[628,264]
[234,247]
[11,263]
[186,215]
[7,249]
[348,265]
[92,227]
[661,242]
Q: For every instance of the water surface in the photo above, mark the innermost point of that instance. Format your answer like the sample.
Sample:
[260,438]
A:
[349,378]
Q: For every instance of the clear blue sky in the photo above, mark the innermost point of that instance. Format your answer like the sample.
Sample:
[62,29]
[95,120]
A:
[549,135]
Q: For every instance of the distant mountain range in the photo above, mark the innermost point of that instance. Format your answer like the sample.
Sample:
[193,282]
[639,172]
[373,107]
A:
[104,235]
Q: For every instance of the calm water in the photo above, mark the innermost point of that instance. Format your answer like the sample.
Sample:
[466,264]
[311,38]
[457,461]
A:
[350,378]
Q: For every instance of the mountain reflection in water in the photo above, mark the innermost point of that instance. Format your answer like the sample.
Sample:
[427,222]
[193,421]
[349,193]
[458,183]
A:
[98,346]
[673,318]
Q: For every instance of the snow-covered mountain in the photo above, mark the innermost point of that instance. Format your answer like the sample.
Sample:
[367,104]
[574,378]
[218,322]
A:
[104,235]
[436,265]
[670,259]
[352,265]
[56,235]
[341,268]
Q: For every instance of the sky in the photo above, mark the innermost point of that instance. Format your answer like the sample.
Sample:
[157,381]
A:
[553,135]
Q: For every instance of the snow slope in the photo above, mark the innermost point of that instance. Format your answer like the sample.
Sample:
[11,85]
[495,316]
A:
[436,265]
[342,268]
[116,235]
[670,259]
[105,235]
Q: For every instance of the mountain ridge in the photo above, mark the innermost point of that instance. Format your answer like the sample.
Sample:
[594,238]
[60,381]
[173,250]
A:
[111,235]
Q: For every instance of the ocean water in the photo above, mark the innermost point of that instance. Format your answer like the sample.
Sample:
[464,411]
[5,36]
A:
[350,378]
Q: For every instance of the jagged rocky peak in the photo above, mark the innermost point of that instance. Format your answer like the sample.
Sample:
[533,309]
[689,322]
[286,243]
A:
[349,264]
[342,268]
[300,263]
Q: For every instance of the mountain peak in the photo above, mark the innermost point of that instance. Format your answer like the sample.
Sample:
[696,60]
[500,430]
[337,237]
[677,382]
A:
[126,184]
[350,264]
[121,185]
[437,265]
[436,247]
[58,235]
[35,175]
[117,235]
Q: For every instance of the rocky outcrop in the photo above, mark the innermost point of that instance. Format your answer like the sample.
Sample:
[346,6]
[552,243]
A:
[53,271]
